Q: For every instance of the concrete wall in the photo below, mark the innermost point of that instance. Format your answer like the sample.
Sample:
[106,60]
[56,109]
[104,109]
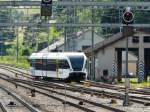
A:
[104,61]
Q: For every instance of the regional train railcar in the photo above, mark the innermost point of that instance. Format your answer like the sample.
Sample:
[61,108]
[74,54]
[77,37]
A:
[67,66]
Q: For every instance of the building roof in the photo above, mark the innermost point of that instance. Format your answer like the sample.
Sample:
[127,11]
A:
[111,40]
[104,43]
[53,46]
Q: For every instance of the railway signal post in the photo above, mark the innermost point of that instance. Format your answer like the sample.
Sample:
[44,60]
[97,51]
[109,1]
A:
[46,8]
[46,12]
[127,18]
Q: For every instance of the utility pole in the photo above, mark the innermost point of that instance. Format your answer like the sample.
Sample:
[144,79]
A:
[92,52]
[126,99]
[46,11]
[120,20]
[17,34]
[65,40]
[1,39]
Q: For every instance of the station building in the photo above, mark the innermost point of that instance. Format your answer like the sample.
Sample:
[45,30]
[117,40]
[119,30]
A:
[109,56]
[75,42]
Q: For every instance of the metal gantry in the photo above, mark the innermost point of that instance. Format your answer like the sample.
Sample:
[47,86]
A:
[145,5]
[42,25]
[73,3]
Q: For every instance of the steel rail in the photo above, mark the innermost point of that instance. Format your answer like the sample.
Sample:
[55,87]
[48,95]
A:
[132,91]
[3,108]
[50,84]
[70,96]
[14,66]
[31,108]
[113,87]
[90,91]
[17,72]
[52,96]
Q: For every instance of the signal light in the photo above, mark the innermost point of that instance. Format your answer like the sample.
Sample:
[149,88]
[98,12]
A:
[46,1]
[128,16]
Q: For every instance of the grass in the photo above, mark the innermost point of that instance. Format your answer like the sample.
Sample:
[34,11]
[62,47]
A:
[134,83]
[22,61]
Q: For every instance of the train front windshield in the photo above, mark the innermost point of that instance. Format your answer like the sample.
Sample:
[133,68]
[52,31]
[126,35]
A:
[77,62]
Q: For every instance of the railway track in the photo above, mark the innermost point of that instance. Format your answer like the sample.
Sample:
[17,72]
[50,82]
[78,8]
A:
[92,83]
[114,87]
[2,108]
[141,100]
[13,66]
[135,99]
[16,72]
[15,102]
[73,100]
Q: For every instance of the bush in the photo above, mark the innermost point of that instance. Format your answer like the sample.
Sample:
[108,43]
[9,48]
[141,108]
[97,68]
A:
[22,61]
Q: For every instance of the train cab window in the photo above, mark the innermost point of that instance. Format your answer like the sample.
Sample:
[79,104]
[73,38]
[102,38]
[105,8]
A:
[76,62]
[135,39]
[51,65]
[63,64]
[146,39]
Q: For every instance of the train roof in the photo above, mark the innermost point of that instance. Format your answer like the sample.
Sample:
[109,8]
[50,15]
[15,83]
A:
[55,55]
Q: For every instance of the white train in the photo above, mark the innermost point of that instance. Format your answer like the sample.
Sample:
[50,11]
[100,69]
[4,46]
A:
[69,66]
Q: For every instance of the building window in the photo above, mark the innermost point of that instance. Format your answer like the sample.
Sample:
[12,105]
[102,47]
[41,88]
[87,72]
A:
[105,72]
[135,39]
[85,47]
[146,39]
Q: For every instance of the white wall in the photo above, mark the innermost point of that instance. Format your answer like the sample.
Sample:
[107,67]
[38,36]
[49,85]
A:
[106,57]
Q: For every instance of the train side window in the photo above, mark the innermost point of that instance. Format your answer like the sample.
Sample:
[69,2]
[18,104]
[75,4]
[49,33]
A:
[44,64]
[63,64]
[38,64]
[51,65]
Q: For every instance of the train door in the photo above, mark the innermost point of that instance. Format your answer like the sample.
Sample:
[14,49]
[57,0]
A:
[63,68]
[38,67]
[88,66]
[57,68]
[32,66]
[44,67]
[51,68]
